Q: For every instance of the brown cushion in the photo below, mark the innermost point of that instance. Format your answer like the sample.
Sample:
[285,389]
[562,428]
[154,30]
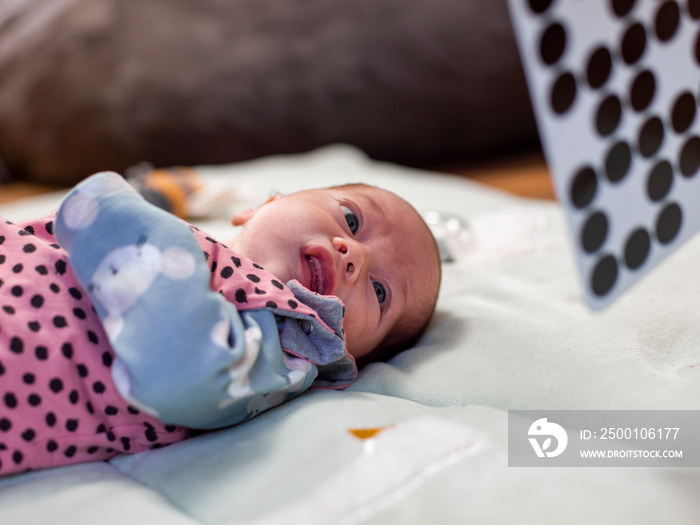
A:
[88,85]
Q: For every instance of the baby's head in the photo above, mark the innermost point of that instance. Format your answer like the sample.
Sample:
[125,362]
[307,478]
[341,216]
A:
[362,244]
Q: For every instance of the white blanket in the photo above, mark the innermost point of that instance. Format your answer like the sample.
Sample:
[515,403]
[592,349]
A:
[511,332]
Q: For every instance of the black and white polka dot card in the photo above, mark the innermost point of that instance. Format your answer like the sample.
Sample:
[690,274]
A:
[615,86]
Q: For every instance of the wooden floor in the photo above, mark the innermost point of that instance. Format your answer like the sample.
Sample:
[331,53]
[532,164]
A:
[523,174]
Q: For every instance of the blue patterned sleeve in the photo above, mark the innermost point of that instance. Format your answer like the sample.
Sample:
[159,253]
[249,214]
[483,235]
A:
[183,353]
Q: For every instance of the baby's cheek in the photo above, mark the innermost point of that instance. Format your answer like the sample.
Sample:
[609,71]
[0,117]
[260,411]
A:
[361,335]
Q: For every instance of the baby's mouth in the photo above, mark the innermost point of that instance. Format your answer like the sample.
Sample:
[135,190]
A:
[317,283]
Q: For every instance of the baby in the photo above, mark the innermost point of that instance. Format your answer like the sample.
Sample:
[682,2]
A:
[121,337]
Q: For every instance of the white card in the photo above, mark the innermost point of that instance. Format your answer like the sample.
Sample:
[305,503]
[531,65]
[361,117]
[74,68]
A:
[615,87]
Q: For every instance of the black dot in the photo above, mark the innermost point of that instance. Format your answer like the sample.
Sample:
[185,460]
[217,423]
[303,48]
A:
[552,43]
[34,326]
[107,359]
[563,93]
[34,400]
[92,450]
[608,115]
[5,424]
[51,446]
[54,288]
[29,248]
[28,230]
[642,90]
[92,337]
[651,136]
[16,345]
[604,275]
[277,284]
[213,266]
[98,387]
[637,248]
[689,161]
[151,434]
[67,350]
[539,6]
[634,42]
[253,278]
[37,301]
[660,180]
[41,269]
[226,272]
[79,313]
[50,419]
[271,304]
[41,353]
[622,7]
[17,457]
[59,321]
[17,268]
[74,397]
[617,161]
[694,9]
[8,309]
[56,385]
[668,223]
[126,443]
[75,293]
[82,370]
[236,261]
[49,227]
[683,112]
[667,19]
[60,267]
[111,410]
[10,400]
[292,304]
[241,296]
[17,291]
[594,232]
[599,67]
[28,435]
[70,451]
[28,378]
[132,410]
[71,425]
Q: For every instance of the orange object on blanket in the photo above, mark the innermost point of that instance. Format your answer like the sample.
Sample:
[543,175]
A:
[170,188]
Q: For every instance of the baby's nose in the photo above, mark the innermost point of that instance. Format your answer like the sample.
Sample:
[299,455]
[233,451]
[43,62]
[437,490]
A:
[351,256]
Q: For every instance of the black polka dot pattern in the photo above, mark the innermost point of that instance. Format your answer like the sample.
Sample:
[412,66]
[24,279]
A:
[640,125]
[49,348]
[55,361]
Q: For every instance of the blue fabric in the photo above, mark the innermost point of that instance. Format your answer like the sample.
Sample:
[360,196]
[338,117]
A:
[184,353]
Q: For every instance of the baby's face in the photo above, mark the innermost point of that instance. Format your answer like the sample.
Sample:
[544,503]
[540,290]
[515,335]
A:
[364,245]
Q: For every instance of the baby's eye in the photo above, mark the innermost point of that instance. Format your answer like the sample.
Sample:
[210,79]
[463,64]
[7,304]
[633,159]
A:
[351,219]
[380,291]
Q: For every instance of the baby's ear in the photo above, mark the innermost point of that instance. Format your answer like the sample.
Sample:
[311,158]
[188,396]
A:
[243,216]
